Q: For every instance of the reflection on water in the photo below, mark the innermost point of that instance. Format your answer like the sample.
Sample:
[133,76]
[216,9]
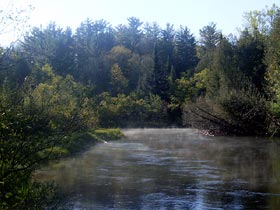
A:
[172,169]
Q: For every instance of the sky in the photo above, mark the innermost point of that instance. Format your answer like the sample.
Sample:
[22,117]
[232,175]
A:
[227,14]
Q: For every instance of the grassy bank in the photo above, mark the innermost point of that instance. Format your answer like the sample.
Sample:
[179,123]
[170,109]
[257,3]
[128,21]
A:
[79,142]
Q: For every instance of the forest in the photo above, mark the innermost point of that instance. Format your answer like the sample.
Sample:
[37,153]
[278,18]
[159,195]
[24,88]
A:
[58,82]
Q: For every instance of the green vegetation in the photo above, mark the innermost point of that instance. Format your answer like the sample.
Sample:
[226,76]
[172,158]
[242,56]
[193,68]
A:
[57,87]
[18,191]
[80,141]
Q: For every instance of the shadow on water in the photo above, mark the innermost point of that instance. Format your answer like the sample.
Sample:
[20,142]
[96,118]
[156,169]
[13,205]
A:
[171,169]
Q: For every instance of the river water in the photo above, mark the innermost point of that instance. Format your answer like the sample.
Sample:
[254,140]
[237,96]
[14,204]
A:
[171,169]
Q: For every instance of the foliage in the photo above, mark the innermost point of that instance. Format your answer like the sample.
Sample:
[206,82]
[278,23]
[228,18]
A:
[261,21]
[79,141]
[221,116]
[272,60]
[189,89]
[58,84]
[209,40]
[124,61]
[33,123]
[185,52]
[130,110]
[118,81]
[250,56]
[108,134]
[252,115]
[160,73]
[23,137]
[210,36]
[130,35]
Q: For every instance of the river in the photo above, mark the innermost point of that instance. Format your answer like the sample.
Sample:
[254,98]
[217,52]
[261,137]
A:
[171,169]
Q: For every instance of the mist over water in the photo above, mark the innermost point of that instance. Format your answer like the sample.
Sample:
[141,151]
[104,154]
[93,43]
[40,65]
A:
[171,169]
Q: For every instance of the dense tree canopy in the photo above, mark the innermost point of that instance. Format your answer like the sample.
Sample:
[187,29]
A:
[145,59]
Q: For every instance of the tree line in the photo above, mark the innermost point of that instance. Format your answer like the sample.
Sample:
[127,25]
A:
[56,82]
[140,74]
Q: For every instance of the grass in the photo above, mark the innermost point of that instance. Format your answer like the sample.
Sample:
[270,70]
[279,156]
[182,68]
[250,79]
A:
[80,141]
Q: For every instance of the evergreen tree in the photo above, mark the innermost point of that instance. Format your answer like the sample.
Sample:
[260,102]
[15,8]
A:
[147,78]
[40,46]
[93,41]
[209,36]
[185,58]
[151,35]
[130,36]
[165,47]
[161,86]
[250,56]
[209,39]
[223,72]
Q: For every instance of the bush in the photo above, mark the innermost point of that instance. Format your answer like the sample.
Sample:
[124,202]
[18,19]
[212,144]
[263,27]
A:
[239,112]
[247,111]
[108,134]
[130,111]
[34,128]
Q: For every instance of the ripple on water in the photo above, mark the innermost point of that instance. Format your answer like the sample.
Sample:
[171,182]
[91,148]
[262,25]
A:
[172,169]
[164,201]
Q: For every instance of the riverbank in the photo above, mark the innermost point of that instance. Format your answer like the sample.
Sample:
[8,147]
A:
[79,142]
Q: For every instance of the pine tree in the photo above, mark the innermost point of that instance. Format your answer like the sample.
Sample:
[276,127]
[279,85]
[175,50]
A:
[250,56]
[185,58]
[161,85]
[222,74]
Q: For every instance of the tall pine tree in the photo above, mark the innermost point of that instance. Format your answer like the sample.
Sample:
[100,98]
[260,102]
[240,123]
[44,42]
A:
[161,86]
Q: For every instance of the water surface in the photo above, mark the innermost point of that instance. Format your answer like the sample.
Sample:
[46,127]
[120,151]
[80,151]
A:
[171,169]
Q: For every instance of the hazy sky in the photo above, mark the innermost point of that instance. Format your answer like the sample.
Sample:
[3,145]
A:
[228,14]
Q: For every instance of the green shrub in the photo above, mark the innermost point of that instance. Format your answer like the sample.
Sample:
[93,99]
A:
[108,134]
